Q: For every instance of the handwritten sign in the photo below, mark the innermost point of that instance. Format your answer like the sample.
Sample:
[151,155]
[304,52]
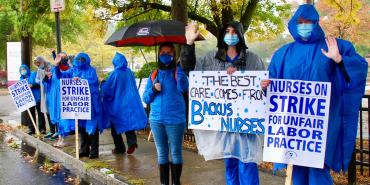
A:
[22,95]
[75,99]
[297,124]
[232,103]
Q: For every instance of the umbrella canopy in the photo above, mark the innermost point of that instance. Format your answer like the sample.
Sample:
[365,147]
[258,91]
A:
[149,33]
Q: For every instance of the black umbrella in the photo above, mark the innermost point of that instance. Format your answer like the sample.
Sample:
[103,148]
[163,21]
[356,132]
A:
[149,33]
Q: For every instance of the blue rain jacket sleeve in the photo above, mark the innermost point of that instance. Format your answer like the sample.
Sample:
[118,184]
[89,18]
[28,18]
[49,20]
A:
[53,96]
[182,80]
[149,93]
[121,99]
[303,60]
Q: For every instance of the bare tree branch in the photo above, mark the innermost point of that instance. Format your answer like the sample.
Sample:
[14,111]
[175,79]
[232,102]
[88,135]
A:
[210,25]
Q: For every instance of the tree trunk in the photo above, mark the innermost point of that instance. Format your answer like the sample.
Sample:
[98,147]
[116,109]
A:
[26,42]
[179,10]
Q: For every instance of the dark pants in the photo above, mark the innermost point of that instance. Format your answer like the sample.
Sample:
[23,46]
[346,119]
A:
[118,140]
[41,119]
[89,143]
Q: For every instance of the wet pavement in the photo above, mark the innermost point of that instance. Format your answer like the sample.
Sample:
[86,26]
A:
[16,170]
[141,167]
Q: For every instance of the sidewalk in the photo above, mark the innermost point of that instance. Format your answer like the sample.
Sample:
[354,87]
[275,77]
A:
[141,167]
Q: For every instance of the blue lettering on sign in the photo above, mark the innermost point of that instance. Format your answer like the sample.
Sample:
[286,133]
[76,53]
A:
[253,125]
[208,108]
[292,104]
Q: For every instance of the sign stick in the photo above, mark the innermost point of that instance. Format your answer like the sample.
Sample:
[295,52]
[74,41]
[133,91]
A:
[46,119]
[150,135]
[33,122]
[289,175]
[76,136]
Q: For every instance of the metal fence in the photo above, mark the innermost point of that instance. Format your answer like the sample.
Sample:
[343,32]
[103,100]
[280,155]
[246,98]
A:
[361,155]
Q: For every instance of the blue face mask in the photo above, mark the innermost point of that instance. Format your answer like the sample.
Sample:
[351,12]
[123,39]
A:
[165,59]
[231,39]
[304,30]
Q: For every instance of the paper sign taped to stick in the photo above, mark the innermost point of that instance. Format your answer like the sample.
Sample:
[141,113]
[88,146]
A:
[22,95]
[75,99]
[232,103]
[297,124]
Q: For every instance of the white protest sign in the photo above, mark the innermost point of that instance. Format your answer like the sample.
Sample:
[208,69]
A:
[75,99]
[57,5]
[22,95]
[232,103]
[297,124]
[13,60]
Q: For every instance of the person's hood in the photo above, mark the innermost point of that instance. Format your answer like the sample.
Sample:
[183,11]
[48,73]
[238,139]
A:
[84,64]
[42,61]
[119,61]
[239,30]
[306,11]
[27,68]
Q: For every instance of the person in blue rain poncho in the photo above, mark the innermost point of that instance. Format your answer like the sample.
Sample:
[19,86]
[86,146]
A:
[122,104]
[64,127]
[26,73]
[89,128]
[313,57]
[164,92]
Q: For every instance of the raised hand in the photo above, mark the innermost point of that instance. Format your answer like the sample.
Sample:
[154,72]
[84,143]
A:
[333,51]
[191,33]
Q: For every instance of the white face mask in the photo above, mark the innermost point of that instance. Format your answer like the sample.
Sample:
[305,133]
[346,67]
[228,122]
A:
[23,72]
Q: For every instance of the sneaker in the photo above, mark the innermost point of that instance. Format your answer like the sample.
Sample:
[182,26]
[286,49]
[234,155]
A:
[49,135]
[54,136]
[60,144]
[131,149]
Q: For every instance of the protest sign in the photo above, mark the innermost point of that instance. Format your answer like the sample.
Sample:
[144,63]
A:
[232,103]
[297,124]
[75,99]
[22,95]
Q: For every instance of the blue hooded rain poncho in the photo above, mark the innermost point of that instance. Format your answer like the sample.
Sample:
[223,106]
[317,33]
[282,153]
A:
[31,79]
[303,60]
[121,100]
[84,70]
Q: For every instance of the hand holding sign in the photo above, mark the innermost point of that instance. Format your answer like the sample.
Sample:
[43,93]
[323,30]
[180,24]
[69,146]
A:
[265,84]
[230,70]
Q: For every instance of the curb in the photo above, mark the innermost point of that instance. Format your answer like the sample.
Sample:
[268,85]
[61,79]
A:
[68,161]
